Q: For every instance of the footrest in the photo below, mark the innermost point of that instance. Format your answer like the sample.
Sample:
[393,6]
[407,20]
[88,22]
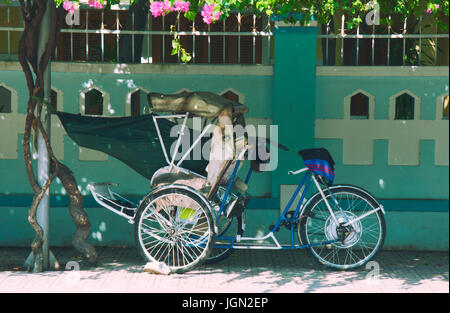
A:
[112,201]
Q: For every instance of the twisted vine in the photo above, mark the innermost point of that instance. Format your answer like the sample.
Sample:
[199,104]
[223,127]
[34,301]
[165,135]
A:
[32,13]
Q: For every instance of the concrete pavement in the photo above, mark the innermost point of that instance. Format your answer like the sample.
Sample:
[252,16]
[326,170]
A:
[120,269]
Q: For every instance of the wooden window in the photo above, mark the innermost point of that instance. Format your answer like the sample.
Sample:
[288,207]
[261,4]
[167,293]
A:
[54,101]
[359,106]
[404,107]
[5,100]
[231,96]
[138,101]
[93,104]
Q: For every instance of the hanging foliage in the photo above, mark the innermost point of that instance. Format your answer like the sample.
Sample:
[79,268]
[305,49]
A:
[291,11]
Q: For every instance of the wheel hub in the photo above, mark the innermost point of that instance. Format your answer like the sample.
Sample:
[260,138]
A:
[347,236]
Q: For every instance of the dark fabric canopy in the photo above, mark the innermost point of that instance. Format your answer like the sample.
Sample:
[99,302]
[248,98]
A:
[132,140]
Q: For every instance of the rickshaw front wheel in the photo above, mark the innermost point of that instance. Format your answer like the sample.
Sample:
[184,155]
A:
[175,226]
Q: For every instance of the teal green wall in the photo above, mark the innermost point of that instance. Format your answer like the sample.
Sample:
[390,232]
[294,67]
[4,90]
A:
[415,197]
[293,97]
[117,86]
[331,89]
[425,181]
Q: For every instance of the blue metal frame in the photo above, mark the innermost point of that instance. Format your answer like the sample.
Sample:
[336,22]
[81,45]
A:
[305,181]
[233,176]
[227,192]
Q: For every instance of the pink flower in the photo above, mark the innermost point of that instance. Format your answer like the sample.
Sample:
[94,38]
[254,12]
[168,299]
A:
[68,6]
[207,18]
[95,4]
[182,6]
[207,10]
[209,15]
[217,15]
[431,8]
[167,6]
[158,8]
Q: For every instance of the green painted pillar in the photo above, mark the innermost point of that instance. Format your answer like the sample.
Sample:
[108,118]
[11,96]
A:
[294,87]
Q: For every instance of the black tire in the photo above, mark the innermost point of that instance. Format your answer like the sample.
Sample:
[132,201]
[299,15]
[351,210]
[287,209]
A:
[175,226]
[219,254]
[358,243]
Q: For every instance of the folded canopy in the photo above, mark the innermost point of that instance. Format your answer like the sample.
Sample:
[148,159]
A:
[132,140]
[198,103]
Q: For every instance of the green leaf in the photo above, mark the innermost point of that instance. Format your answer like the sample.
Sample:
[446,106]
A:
[190,15]
[176,46]
[185,57]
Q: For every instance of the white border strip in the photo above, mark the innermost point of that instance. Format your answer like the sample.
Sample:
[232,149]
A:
[170,69]
[233,70]
[382,71]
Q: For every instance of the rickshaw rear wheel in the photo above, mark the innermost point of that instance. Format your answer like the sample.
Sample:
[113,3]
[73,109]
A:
[352,246]
[174,225]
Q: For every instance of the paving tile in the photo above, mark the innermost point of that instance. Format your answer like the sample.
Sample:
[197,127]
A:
[120,270]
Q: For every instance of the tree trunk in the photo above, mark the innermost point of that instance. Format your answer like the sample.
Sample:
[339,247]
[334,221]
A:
[32,12]
[79,216]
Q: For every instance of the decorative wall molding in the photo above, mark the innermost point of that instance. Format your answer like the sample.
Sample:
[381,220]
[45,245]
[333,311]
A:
[85,154]
[347,103]
[404,138]
[240,95]
[440,106]
[127,110]
[417,104]
[14,103]
[107,110]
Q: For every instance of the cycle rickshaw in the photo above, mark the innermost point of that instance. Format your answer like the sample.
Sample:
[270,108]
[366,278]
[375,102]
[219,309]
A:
[195,210]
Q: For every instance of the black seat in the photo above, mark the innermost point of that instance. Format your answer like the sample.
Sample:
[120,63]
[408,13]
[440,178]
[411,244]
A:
[317,153]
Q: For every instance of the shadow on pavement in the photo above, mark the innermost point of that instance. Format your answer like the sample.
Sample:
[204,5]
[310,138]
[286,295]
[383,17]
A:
[268,269]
